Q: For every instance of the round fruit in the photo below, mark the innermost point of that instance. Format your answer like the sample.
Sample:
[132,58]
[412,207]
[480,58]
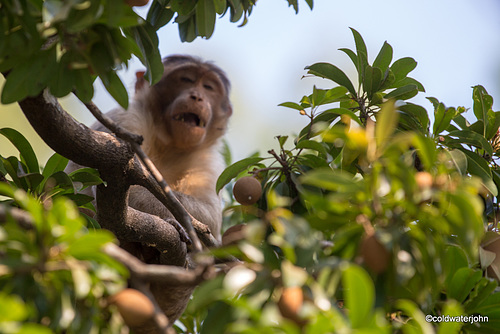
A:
[134,307]
[247,190]
[424,180]
[290,302]
[139,3]
[374,254]
[233,234]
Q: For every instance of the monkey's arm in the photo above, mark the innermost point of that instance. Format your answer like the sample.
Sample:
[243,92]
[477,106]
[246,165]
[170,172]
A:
[208,212]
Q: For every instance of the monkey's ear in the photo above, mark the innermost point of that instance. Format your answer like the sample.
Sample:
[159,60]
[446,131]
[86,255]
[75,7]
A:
[140,82]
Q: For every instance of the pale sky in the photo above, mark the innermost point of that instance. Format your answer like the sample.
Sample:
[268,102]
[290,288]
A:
[455,42]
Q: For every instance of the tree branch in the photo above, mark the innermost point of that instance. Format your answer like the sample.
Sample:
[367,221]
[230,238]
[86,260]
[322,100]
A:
[171,275]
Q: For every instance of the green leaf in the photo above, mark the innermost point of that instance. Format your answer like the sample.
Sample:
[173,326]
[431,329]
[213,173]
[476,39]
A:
[462,283]
[442,118]
[408,81]
[26,152]
[313,145]
[12,308]
[482,103]
[56,163]
[372,80]
[220,6]
[205,18]
[183,7]
[384,57]
[116,88]
[159,15]
[84,85]
[146,38]
[31,328]
[232,171]
[362,54]
[455,258]
[333,73]
[291,105]
[459,160]
[490,307]
[468,137]
[452,309]
[352,55]
[309,132]
[343,111]
[64,78]
[417,322]
[418,111]
[481,292]
[359,295]
[333,180]
[86,176]
[86,247]
[461,121]
[426,150]
[492,124]
[403,93]
[19,82]
[402,67]
[60,180]
[476,165]
[187,28]
[80,19]
[388,80]
[387,120]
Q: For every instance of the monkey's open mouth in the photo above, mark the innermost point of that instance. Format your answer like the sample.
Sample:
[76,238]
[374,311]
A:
[191,119]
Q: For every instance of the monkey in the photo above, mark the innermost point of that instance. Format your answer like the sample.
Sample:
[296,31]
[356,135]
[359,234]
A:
[182,119]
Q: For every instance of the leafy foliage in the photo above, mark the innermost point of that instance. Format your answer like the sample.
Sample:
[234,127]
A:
[71,43]
[371,218]
[377,216]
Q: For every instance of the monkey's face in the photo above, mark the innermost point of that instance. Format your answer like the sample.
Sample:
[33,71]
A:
[194,106]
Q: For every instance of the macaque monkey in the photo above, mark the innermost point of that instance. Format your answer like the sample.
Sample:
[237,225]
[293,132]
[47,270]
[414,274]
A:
[182,119]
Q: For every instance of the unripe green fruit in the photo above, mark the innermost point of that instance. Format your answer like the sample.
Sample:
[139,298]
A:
[247,190]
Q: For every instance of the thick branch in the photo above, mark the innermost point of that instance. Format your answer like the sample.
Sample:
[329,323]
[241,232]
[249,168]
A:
[132,225]
[72,139]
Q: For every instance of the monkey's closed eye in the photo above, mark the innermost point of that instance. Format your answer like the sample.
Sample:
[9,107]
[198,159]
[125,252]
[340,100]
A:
[187,80]
[208,87]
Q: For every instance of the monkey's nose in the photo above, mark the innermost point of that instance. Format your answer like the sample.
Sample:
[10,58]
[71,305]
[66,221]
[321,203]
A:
[196,97]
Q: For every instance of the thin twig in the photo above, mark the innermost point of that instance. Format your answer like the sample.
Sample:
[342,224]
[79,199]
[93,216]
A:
[171,275]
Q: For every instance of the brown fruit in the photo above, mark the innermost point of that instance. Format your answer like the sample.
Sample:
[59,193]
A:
[493,245]
[233,235]
[247,190]
[290,302]
[374,254]
[424,180]
[134,307]
[133,3]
